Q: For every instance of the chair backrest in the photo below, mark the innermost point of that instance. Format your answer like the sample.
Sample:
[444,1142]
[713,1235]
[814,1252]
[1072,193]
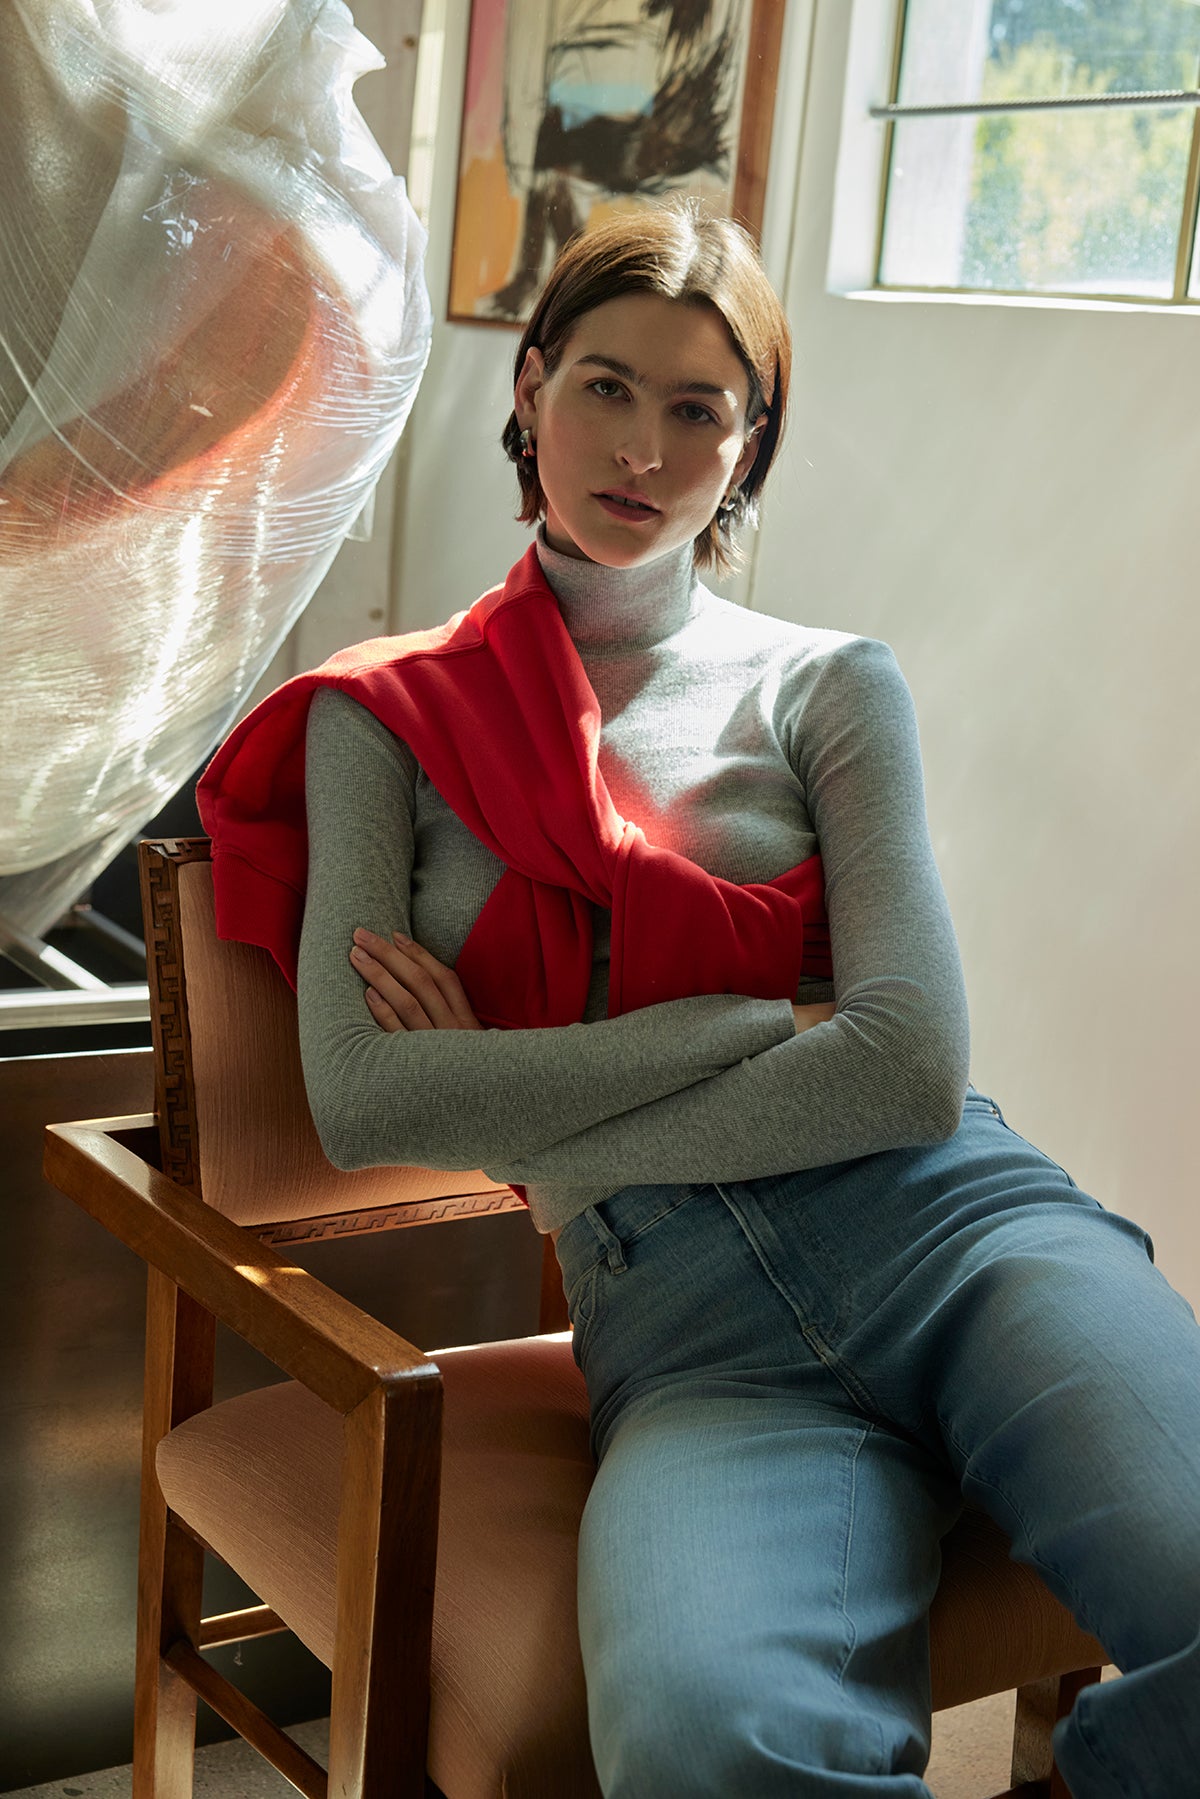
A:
[234,1122]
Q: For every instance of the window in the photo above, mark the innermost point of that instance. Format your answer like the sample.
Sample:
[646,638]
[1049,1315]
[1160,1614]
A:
[425,108]
[1044,147]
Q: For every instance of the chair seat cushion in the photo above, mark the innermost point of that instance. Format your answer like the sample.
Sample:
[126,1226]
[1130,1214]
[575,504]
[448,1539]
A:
[257,1478]
[993,1624]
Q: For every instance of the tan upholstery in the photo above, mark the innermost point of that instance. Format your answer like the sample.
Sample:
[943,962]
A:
[993,1625]
[246,1075]
[257,1477]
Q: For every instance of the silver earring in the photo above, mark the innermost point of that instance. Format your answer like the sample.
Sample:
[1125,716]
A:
[528,447]
[730,502]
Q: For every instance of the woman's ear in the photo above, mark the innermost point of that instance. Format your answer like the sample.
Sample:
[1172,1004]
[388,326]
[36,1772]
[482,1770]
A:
[529,383]
[745,461]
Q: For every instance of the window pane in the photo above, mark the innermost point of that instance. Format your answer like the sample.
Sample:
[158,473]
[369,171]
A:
[1074,202]
[957,50]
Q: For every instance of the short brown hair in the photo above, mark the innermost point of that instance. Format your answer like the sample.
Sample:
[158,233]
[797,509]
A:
[679,253]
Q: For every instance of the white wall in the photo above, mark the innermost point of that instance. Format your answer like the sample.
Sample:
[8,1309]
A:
[457,535]
[1005,494]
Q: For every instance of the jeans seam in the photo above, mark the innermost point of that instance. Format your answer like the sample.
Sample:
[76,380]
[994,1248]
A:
[604,1255]
[1003,1121]
[1078,1717]
[824,1352]
[847,1539]
[658,1217]
[843,1596]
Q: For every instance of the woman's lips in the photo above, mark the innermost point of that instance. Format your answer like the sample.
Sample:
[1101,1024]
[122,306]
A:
[630,513]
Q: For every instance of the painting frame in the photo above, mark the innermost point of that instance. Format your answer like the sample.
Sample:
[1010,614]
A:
[506,230]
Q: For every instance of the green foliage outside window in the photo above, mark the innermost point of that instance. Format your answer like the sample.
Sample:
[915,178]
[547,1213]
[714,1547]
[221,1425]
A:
[1083,200]
[1074,200]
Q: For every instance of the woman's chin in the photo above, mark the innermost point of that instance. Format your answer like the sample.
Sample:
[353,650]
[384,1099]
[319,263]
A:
[620,550]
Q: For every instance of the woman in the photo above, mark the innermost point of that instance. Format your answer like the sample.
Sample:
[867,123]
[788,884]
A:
[816,1296]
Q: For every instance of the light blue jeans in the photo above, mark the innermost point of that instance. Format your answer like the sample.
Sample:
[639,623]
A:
[793,1381]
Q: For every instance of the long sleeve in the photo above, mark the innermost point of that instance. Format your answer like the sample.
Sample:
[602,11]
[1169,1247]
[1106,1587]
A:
[891,1068]
[458,1099]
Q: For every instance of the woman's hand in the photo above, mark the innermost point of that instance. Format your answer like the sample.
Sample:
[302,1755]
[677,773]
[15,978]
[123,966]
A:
[807,1016]
[407,988]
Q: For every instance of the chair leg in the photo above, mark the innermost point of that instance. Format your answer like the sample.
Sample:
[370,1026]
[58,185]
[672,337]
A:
[1040,1706]
[387,1550]
[180,1337]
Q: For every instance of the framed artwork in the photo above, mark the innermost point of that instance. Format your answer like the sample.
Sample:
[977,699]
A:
[576,109]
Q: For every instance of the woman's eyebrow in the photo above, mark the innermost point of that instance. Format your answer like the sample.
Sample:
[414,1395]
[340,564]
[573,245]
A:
[626,373]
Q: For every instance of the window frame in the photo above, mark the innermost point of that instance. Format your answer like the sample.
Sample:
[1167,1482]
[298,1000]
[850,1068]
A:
[891,112]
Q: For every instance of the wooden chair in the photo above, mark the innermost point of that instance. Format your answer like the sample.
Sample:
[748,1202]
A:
[338,1493]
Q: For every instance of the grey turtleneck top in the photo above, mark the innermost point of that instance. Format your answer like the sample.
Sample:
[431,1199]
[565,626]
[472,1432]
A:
[740,741]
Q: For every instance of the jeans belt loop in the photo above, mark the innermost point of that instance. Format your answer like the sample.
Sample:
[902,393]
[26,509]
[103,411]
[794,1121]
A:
[608,1237]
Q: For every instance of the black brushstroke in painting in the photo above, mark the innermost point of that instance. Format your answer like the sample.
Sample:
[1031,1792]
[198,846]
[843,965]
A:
[684,131]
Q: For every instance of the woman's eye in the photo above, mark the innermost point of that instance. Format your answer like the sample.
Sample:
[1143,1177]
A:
[606,387]
[694,413]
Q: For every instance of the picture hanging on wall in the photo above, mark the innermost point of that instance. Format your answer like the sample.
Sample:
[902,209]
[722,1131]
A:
[577,109]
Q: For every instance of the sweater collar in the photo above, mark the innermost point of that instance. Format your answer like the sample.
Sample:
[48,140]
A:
[621,607]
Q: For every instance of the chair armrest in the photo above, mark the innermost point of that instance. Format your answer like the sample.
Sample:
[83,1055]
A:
[336,1350]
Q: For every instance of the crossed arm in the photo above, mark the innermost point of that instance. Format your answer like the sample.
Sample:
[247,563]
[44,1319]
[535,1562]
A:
[714,1087]
[410,990]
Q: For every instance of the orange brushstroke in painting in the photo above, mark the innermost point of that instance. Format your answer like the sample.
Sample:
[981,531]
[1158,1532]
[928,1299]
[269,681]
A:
[489,219]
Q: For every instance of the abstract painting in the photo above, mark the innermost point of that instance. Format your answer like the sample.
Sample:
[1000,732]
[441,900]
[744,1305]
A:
[576,109]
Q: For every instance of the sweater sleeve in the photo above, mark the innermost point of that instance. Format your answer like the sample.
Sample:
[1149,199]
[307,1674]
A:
[458,1099]
[890,1069]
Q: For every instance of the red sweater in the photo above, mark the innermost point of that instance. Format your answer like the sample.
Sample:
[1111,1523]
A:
[497,708]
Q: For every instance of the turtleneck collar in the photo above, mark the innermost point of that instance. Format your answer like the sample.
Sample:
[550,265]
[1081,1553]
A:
[629,607]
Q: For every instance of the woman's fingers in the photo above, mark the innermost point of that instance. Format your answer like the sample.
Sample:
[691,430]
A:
[384,1015]
[389,996]
[413,990]
[444,985]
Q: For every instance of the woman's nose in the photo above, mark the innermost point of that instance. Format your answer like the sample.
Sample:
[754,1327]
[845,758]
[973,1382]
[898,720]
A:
[640,450]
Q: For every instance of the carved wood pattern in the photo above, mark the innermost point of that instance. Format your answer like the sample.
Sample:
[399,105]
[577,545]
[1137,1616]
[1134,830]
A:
[387,1218]
[174,1092]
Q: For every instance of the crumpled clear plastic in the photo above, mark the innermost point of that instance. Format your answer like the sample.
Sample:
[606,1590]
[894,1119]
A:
[213,322]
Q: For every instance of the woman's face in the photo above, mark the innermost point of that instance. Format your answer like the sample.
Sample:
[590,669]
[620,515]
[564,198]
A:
[640,430]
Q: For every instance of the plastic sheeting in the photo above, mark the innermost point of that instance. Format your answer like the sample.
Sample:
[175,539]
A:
[213,321]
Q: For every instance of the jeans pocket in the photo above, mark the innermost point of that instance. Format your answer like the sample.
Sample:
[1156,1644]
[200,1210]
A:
[581,1295]
[581,1308]
[579,1259]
